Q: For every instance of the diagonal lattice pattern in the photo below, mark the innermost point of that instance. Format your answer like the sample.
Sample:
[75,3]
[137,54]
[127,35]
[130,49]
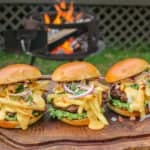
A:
[125,27]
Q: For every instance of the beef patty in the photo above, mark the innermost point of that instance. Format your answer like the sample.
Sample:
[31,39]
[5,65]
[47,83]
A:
[116,93]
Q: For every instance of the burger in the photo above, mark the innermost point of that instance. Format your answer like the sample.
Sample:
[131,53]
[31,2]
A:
[76,98]
[21,102]
[129,87]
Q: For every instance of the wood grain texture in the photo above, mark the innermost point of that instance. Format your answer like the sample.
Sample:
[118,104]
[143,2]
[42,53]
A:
[52,135]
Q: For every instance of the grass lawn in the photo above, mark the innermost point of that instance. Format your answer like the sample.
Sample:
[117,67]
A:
[102,59]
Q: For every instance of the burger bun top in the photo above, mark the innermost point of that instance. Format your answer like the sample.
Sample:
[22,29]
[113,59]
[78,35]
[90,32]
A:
[125,68]
[75,71]
[17,73]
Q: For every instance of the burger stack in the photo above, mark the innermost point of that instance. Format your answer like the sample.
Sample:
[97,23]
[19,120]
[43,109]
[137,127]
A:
[130,87]
[21,102]
[77,96]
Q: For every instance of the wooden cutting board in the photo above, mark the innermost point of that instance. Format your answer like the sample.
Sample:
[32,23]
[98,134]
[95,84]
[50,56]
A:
[52,135]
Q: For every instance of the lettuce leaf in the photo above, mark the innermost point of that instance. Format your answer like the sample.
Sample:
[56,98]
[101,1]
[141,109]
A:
[120,104]
[59,114]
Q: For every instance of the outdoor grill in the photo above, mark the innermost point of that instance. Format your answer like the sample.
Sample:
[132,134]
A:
[67,34]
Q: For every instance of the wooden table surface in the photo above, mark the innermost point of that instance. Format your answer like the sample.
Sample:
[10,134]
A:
[53,135]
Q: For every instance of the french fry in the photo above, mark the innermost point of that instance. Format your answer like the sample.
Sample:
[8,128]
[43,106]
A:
[80,109]
[147,91]
[98,114]
[90,103]
[94,123]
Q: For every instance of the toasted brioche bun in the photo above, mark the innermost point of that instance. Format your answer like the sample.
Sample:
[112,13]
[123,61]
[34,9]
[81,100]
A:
[8,124]
[15,124]
[75,71]
[81,122]
[17,73]
[123,112]
[125,68]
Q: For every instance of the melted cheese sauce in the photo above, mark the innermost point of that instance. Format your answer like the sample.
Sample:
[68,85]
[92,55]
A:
[136,100]
[137,97]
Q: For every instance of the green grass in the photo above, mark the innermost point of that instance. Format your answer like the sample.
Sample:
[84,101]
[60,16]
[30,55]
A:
[103,60]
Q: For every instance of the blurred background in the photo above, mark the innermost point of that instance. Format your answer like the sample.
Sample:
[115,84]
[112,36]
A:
[123,28]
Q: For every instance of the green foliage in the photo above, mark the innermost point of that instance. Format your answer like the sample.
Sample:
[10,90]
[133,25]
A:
[103,60]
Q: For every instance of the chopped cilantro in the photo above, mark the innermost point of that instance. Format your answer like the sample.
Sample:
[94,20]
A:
[19,88]
[134,86]
[73,86]
[78,92]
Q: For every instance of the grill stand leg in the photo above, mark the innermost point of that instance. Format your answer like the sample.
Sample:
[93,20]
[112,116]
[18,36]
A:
[32,60]
[82,59]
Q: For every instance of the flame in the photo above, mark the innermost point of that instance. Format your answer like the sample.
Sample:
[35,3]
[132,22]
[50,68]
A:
[58,19]
[47,19]
[68,16]
[63,5]
[63,14]
[64,48]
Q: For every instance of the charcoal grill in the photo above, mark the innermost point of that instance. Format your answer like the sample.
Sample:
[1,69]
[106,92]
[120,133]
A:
[33,23]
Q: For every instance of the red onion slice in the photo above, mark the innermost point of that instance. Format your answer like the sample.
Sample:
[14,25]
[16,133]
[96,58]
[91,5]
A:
[67,89]
[89,91]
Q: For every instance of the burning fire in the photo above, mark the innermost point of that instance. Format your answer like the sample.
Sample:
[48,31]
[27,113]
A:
[64,14]
[65,48]
[47,19]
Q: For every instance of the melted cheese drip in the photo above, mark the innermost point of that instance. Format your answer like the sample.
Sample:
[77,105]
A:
[131,94]
[136,99]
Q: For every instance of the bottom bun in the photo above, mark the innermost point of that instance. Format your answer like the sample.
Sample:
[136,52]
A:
[123,112]
[81,122]
[8,124]
[15,124]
